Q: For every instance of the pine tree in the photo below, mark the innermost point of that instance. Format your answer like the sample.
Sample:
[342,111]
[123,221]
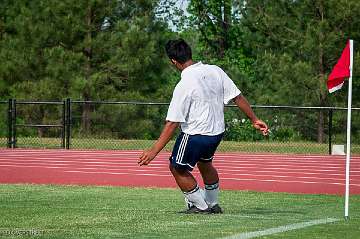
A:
[296,43]
[87,50]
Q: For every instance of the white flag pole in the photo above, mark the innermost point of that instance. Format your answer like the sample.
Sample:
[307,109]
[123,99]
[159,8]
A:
[348,138]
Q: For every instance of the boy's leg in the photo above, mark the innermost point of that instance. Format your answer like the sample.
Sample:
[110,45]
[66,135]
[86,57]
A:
[208,172]
[187,183]
[184,179]
[211,181]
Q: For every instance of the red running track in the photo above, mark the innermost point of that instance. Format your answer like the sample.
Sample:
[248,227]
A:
[315,174]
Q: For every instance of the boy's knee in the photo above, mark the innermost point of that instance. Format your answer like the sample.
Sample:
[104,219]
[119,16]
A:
[205,166]
[177,171]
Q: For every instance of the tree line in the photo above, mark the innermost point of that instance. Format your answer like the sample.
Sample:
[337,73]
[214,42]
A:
[277,52]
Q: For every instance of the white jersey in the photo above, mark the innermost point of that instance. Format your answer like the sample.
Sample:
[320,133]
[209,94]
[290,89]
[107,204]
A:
[198,99]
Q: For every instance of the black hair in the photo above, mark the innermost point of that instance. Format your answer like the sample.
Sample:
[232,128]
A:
[178,50]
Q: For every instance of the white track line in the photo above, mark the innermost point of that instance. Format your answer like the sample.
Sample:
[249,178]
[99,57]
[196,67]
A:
[281,229]
[217,162]
[137,169]
[287,171]
[64,166]
[122,153]
[282,176]
[283,181]
[230,167]
[233,169]
[300,161]
[284,162]
[165,163]
[223,178]
[321,178]
[137,152]
[119,173]
[236,159]
[222,170]
[81,168]
[132,152]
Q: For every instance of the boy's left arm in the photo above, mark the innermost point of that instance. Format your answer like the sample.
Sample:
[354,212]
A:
[168,131]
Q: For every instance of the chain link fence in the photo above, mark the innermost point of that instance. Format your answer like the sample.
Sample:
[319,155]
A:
[116,125]
[39,124]
[135,126]
[292,129]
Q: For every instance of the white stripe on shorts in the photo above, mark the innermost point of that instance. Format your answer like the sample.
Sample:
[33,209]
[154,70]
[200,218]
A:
[185,164]
[182,147]
[209,159]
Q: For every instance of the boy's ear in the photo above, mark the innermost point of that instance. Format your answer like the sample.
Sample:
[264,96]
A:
[173,61]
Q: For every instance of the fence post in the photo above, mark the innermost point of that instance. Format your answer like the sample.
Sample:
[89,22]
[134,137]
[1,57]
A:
[10,123]
[68,122]
[63,133]
[330,130]
[14,115]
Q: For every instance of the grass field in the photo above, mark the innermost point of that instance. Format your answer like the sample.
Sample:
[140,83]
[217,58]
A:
[118,212]
[225,146]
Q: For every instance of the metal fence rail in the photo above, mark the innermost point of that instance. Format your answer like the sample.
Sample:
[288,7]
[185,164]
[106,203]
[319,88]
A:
[135,125]
[35,124]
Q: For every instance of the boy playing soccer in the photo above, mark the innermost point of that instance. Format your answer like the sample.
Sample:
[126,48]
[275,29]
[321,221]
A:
[197,105]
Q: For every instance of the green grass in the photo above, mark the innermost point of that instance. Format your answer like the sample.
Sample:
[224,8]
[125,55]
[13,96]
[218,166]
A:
[119,212]
[302,147]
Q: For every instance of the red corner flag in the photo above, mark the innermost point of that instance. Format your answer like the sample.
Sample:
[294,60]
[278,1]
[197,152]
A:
[341,70]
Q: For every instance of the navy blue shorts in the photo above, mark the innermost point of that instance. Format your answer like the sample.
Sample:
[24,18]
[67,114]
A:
[190,149]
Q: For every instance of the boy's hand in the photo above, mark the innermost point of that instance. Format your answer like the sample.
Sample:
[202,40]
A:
[261,125]
[146,157]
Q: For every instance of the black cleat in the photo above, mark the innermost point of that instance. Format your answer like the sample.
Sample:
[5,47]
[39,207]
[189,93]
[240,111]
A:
[195,210]
[216,209]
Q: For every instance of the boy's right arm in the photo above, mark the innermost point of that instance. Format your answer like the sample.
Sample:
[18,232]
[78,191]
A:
[244,106]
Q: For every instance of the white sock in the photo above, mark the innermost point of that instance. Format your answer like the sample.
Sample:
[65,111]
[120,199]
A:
[194,197]
[211,194]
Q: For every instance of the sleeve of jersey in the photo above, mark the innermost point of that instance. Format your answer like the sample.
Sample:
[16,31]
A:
[179,106]
[230,89]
